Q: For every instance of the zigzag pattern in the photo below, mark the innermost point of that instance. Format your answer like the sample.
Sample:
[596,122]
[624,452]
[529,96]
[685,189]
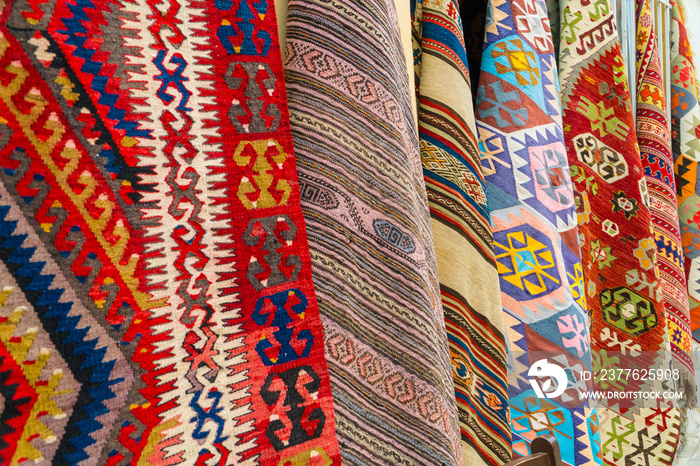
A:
[141,329]
[655,147]
[73,34]
[86,357]
[19,398]
[535,234]
[125,177]
[685,125]
[56,389]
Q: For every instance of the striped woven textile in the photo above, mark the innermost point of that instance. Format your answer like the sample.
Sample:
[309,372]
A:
[363,197]
[654,139]
[624,294]
[685,127]
[156,302]
[531,198]
[463,239]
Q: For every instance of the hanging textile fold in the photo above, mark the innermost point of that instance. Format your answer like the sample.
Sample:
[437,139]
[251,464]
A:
[157,303]
[685,131]
[624,293]
[363,197]
[654,139]
[530,194]
[463,240]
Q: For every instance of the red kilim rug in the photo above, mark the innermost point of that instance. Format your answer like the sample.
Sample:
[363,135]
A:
[156,303]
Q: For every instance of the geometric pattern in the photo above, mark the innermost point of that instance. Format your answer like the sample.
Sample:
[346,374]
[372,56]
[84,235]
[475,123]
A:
[395,371]
[542,167]
[156,300]
[543,416]
[655,147]
[603,160]
[459,213]
[628,311]
[451,169]
[685,131]
[623,289]
[526,262]
[530,193]
[511,56]
[41,371]
[552,178]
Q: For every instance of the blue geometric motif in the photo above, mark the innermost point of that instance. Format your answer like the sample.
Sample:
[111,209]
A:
[534,416]
[526,263]
[246,28]
[78,35]
[282,306]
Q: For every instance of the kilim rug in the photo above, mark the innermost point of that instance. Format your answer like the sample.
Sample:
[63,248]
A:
[624,294]
[654,139]
[685,127]
[463,239]
[363,197]
[157,304]
[531,198]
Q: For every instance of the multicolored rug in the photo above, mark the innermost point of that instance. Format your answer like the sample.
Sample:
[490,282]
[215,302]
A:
[531,197]
[624,293]
[363,197]
[654,139]
[685,127]
[461,231]
[157,304]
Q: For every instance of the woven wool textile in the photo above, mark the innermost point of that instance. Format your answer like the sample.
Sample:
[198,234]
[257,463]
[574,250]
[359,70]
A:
[535,231]
[463,239]
[157,304]
[363,197]
[654,139]
[617,246]
[685,127]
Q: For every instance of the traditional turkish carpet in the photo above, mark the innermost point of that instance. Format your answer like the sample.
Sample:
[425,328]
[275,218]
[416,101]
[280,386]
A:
[157,304]
[363,197]
[463,240]
[531,197]
[685,127]
[654,139]
[624,294]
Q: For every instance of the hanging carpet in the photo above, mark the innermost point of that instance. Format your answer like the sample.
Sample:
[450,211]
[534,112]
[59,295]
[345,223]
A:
[157,304]
[363,197]
[654,139]
[624,293]
[685,127]
[463,239]
[530,194]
